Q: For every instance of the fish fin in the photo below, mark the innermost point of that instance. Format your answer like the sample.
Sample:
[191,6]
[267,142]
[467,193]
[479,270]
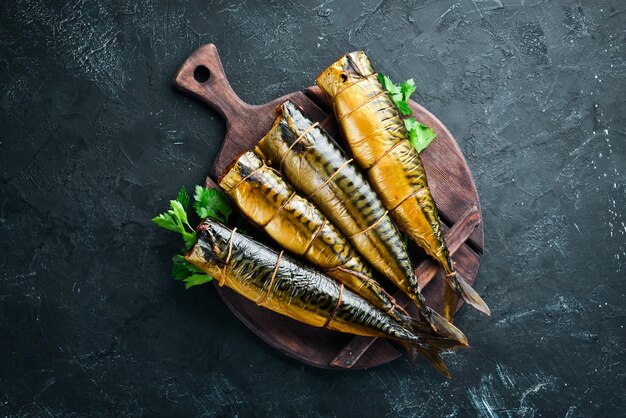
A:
[469,295]
[448,337]
[436,360]
[448,330]
[414,350]
[450,302]
[259,153]
[438,324]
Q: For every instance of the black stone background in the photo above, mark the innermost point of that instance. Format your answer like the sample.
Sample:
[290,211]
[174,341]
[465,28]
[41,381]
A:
[94,139]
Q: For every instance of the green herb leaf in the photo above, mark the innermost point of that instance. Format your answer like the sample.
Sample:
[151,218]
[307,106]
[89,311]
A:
[399,93]
[175,219]
[211,203]
[187,272]
[183,197]
[420,136]
[389,85]
[197,279]
[190,239]
[207,203]
[407,88]
[182,268]
[166,221]
[404,108]
[179,267]
[179,214]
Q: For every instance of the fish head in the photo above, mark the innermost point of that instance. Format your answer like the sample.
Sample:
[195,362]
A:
[209,251]
[347,70]
[242,167]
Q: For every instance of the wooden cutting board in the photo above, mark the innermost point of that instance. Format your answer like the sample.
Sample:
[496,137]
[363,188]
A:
[449,178]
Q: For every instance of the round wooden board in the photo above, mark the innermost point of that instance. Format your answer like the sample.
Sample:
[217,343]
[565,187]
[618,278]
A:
[450,181]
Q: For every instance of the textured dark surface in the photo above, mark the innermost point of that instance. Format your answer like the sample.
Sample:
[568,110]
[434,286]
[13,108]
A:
[94,139]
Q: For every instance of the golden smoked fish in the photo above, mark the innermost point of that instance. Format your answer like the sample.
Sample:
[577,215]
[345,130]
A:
[377,138]
[270,203]
[315,165]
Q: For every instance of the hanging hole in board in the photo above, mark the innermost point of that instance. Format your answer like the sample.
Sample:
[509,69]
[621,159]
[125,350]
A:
[201,74]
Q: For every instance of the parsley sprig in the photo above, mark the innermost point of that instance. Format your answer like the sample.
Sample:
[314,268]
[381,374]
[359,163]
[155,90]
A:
[211,203]
[400,93]
[175,219]
[420,136]
[208,203]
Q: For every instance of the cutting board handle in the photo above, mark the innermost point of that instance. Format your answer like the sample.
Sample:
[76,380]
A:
[203,76]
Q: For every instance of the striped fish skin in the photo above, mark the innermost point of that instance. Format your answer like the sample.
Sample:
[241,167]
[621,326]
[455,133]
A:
[291,289]
[317,167]
[376,136]
[270,203]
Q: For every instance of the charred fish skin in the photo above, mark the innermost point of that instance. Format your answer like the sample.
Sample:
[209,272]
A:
[283,285]
[270,203]
[377,137]
[317,167]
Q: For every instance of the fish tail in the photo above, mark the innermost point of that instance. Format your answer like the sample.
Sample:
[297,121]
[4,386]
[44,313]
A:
[457,285]
[447,329]
[438,329]
[450,302]
[413,351]
[436,360]
[431,343]
[437,323]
